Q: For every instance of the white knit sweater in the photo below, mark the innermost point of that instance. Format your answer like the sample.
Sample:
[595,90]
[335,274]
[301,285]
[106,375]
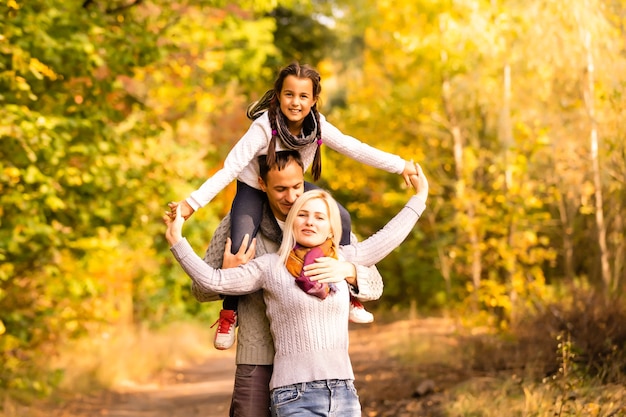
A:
[241,162]
[310,335]
[255,345]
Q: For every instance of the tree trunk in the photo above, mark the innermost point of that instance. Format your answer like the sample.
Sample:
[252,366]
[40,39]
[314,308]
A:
[595,166]
[457,137]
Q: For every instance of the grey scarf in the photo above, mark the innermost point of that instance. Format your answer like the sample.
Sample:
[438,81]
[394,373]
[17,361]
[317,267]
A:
[269,227]
[291,142]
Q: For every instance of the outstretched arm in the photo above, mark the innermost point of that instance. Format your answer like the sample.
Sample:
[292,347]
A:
[379,245]
[206,279]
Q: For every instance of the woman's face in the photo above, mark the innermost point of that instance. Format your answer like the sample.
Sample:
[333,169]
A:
[296,99]
[312,225]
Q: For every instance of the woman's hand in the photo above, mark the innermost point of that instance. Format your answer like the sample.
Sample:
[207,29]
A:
[174,231]
[420,183]
[326,269]
[410,168]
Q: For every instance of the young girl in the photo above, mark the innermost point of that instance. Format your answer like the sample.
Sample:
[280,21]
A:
[312,373]
[285,118]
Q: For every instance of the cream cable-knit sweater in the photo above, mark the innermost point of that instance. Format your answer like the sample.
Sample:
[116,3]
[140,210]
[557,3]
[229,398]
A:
[241,161]
[310,335]
[255,345]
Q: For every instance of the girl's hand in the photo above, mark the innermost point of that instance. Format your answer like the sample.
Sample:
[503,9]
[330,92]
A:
[174,231]
[420,183]
[409,169]
[185,209]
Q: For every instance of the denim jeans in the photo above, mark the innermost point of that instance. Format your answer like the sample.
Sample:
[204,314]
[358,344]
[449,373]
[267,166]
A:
[328,398]
[251,394]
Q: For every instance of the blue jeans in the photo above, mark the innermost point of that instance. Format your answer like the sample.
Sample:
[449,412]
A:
[328,398]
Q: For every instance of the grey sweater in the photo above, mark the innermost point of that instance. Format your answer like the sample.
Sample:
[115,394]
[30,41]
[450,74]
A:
[310,335]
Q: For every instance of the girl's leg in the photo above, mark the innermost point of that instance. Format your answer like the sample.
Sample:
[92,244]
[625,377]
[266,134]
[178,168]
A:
[346,222]
[245,214]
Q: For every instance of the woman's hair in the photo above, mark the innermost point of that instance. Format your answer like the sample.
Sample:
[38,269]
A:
[269,102]
[289,240]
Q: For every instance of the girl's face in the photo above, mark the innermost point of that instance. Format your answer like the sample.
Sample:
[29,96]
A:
[312,226]
[296,99]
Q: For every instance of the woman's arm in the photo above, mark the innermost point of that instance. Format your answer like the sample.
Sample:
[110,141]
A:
[244,279]
[379,245]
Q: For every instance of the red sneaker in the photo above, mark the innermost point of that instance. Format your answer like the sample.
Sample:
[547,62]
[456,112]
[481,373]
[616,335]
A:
[225,335]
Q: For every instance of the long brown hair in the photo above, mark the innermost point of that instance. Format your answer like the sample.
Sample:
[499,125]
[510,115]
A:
[269,102]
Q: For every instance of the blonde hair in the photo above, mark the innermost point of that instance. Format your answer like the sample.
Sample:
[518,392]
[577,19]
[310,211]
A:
[289,240]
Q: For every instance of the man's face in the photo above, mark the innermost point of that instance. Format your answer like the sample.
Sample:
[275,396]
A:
[283,188]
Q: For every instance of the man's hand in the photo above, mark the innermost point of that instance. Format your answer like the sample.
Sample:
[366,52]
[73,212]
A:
[327,269]
[242,256]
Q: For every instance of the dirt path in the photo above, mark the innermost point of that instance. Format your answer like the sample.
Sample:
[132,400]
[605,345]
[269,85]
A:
[387,385]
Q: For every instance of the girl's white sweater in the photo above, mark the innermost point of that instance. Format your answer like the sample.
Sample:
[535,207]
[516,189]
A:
[241,162]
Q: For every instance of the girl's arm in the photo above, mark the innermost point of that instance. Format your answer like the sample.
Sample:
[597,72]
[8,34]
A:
[241,157]
[363,152]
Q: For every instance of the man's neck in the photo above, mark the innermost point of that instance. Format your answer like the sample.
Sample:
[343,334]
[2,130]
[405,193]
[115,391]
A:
[281,223]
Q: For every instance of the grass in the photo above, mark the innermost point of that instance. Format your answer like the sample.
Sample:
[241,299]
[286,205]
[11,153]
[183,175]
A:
[567,359]
[497,397]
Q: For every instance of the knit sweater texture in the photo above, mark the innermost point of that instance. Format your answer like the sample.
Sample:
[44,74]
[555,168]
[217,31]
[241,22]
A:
[255,345]
[310,335]
[241,162]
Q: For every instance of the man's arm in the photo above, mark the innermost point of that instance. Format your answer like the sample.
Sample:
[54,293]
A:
[369,283]
[366,283]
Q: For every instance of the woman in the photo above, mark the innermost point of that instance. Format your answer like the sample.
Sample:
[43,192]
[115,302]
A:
[309,320]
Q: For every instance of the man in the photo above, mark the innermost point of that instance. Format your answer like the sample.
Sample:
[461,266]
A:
[283,183]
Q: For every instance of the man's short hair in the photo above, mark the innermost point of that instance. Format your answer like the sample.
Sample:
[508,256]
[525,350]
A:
[282,159]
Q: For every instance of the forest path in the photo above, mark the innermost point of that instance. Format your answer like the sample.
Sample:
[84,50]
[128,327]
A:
[386,382]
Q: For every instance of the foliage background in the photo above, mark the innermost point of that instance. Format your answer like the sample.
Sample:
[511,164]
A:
[112,109]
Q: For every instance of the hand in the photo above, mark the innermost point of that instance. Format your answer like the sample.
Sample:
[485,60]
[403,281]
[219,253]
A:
[420,183]
[186,209]
[327,269]
[410,168]
[174,231]
[242,256]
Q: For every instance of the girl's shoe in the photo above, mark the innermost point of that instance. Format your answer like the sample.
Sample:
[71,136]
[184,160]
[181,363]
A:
[226,324]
